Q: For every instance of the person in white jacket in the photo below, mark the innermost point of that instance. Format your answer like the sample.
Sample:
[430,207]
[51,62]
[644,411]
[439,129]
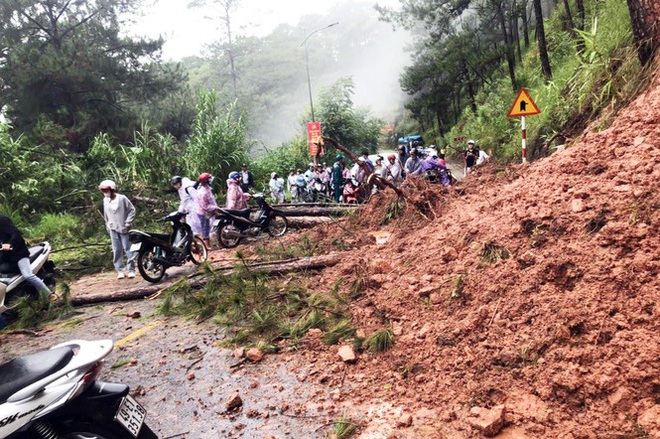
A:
[188,196]
[118,213]
[276,185]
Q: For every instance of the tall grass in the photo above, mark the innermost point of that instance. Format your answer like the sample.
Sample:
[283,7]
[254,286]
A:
[219,143]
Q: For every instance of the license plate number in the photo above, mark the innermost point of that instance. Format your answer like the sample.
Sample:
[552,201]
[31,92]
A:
[131,415]
[135,247]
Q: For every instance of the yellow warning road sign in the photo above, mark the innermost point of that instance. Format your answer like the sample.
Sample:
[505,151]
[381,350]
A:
[523,105]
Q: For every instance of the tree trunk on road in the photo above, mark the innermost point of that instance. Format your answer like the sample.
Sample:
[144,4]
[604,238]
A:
[273,268]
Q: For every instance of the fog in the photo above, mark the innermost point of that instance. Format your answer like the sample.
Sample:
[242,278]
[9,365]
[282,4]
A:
[359,46]
[369,51]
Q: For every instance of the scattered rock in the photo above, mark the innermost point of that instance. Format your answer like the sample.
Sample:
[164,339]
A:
[436,298]
[448,255]
[426,291]
[577,205]
[239,353]
[405,420]
[425,330]
[347,354]
[191,376]
[487,421]
[650,421]
[255,355]
[234,401]
[314,333]
[134,315]
[621,400]
[525,406]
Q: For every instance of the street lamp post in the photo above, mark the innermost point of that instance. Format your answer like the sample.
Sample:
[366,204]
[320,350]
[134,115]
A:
[309,82]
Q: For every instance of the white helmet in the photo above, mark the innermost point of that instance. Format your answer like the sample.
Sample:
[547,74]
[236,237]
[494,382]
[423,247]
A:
[273,175]
[470,142]
[108,184]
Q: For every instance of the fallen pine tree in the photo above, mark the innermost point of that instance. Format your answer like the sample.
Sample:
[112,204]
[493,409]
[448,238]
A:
[197,280]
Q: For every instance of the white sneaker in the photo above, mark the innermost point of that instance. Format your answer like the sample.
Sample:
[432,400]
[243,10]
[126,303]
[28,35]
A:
[131,274]
[121,275]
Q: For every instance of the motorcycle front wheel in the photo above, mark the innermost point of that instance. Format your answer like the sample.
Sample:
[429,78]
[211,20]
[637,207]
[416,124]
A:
[198,251]
[229,236]
[278,225]
[149,269]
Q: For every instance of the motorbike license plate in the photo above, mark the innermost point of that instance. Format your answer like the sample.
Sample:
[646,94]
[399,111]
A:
[131,415]
[135,247]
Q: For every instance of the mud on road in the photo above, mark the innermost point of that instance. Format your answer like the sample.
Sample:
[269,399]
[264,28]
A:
[177,370]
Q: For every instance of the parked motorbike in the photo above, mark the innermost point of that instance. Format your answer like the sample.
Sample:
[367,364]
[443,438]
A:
[54,394]
[442,175]
[13,285]
[156,252]
[233,225]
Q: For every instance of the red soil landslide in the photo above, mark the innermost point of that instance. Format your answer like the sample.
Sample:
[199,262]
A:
[533,287]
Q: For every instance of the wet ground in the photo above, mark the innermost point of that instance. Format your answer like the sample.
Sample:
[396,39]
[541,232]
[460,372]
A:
[183,379]
[180,374]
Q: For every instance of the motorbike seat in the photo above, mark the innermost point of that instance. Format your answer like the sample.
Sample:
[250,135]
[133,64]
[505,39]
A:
[245,213]
[23,371]
[9,268]
[162,236]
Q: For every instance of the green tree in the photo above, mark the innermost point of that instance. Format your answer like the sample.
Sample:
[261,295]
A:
[354,128]
[67,61]
[218,143]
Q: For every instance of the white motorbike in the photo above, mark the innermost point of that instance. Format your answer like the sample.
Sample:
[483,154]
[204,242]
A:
[13,285]
[54,394]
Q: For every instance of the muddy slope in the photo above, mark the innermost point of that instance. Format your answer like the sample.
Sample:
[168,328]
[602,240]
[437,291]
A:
[536,288]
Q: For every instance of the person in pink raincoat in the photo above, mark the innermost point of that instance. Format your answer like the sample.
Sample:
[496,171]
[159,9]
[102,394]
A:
[236,198]
[206,205]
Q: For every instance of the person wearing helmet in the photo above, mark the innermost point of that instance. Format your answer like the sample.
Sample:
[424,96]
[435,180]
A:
[206,205]
[392,171]
[471,154]
[188,196]
[276,185]
[337,177]
[236,198]
[118,213]
[247,180]
[15,250]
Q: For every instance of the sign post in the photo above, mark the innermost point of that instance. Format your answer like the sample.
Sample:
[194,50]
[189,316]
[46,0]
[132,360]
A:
[523,106]
[315,139]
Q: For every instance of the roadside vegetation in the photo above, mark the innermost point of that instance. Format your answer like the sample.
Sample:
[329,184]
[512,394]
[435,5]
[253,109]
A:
[51,168]
[463,86]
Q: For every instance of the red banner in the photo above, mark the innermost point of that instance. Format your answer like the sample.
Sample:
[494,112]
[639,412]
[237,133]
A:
[314,136]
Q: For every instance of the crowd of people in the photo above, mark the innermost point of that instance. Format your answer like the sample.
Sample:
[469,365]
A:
[337,182]
[196,198]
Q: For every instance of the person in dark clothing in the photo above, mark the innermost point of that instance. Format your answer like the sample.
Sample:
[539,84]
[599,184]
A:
[471,155]
[247,180]
[14,249]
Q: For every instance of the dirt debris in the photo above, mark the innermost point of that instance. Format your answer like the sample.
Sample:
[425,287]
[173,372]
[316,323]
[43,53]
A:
[532,287]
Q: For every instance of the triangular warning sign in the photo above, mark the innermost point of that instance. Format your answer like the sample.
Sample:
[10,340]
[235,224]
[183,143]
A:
[523,105]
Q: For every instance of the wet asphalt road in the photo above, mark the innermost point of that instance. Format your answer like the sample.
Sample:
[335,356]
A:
[183,379]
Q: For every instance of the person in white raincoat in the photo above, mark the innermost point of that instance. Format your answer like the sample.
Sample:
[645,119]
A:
[188,197]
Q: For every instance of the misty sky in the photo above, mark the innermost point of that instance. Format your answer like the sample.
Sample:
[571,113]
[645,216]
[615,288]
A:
[375,75]
[186,30]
